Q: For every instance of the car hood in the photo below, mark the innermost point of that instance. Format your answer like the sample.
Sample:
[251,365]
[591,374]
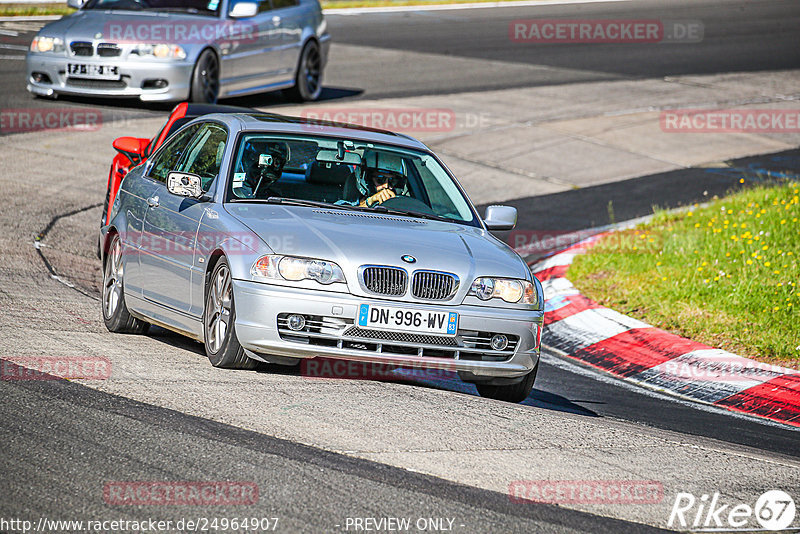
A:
[87,24]
[353,239]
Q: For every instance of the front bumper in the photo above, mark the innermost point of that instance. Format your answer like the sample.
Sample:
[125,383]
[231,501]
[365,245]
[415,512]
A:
[331,332]
[136,77]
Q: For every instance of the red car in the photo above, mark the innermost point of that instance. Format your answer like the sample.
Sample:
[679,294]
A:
[133,150]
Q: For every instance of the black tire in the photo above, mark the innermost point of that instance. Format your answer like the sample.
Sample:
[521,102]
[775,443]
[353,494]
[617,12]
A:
[115,313]
[205,79]
[308,80]
[219,315]
[514,393]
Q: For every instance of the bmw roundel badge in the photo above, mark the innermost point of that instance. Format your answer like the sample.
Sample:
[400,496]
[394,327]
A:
[408,258]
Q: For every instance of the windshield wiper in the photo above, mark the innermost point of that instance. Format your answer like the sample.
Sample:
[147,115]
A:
[328,205]
[192,10]
[315,203]
[408,213]
[302,202]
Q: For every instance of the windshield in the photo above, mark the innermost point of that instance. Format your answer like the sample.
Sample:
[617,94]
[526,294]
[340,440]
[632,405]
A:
[207,7]
[345,173]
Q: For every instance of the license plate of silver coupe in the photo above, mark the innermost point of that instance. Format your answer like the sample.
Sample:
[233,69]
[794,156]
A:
[99,72]
[381,266]
[405,320]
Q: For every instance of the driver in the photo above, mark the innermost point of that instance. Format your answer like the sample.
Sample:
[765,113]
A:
[263,164]
[379,180]
[382,184]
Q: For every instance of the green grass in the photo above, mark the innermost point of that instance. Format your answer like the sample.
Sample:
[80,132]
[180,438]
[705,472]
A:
[18,10]
[726,274]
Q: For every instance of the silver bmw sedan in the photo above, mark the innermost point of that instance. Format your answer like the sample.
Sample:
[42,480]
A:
[278,239]
[173,50]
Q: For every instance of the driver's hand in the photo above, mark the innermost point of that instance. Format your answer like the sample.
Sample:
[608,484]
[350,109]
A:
[380,197]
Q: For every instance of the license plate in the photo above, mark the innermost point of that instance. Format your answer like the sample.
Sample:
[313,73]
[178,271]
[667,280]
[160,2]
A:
[408,320]
[94,72]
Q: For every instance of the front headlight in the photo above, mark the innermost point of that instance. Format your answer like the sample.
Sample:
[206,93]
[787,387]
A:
[508,289]
[160,51]
[294,269]
[42,43]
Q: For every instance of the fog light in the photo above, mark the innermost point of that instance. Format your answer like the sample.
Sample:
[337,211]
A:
[155,84]
[499,342]
[40,77]
[297,322]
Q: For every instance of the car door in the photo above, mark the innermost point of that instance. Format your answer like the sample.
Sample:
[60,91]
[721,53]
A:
[132,201]
[289,15]
[169,229]
[256,60]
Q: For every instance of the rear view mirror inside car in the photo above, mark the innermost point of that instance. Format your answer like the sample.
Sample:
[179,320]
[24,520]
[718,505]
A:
[332,156]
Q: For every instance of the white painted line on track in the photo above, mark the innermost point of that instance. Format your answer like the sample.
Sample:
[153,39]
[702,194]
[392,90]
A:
[30,18]
[448,7]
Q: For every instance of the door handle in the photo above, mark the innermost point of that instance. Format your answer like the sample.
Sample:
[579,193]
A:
[152,202]
[276,20]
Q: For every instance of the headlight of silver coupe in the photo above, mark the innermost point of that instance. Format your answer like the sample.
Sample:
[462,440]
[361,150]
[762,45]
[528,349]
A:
[160,51]
[507,289]
[277,267]
[42,43]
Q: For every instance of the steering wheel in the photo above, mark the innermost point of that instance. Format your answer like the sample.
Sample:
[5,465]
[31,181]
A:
[405,203]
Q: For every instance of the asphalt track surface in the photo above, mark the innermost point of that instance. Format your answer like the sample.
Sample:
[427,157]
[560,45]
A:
[66,436]
[86,438]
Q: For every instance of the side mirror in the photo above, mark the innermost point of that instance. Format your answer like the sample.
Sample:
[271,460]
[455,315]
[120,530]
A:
[243,10]
[75,4]
[185,184]
[500,218]
[131,147]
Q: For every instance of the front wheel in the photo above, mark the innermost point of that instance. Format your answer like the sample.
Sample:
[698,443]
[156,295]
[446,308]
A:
[308,81]
[514,393]
[115,312]
[205,79]
[222,346]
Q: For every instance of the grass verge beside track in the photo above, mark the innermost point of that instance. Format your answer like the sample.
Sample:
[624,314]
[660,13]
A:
[34,10]
[725,274]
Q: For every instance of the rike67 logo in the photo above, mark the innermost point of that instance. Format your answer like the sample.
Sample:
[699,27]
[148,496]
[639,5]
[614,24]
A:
[772,511]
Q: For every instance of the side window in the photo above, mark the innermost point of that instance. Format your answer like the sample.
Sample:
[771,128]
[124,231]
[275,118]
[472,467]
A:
[204,155]
[170,155]
[280,4]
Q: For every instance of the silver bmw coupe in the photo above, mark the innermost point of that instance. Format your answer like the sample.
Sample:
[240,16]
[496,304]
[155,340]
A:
[173,50]
[279,239]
